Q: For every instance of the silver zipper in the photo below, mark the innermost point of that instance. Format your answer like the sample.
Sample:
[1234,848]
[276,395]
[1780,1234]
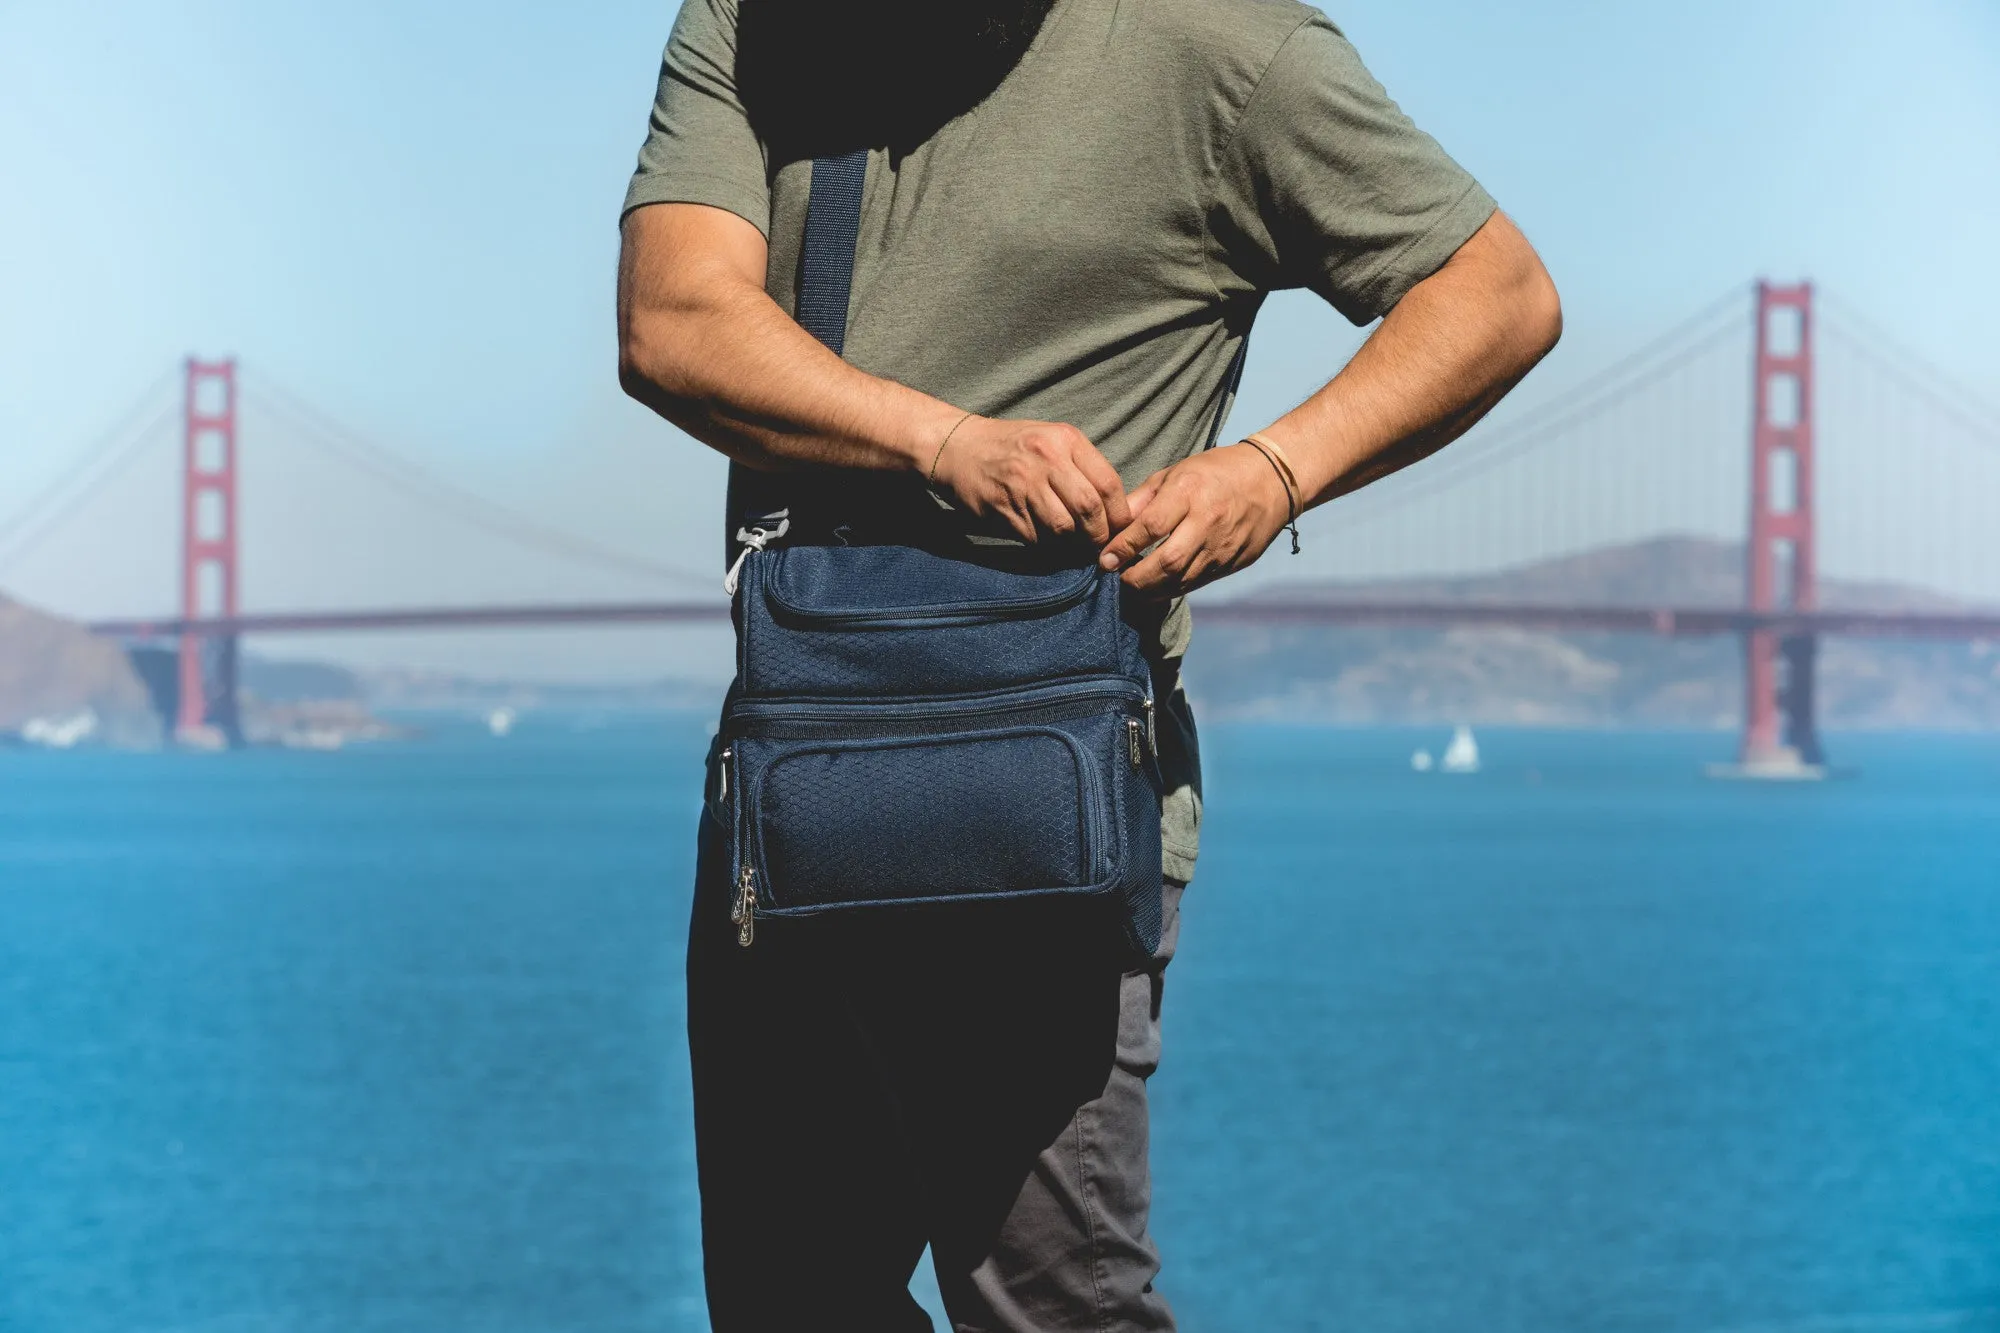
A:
[1152,732]
[722,787]
[1132,742]
[744,914]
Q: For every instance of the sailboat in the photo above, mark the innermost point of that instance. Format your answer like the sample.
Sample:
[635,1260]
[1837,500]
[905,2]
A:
[1462,755]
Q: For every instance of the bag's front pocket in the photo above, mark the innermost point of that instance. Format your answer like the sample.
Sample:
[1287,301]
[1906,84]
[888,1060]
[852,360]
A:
[867,805]
[908,819]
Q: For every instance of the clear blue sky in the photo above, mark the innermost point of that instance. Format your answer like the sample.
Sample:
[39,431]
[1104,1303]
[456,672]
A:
[405,214]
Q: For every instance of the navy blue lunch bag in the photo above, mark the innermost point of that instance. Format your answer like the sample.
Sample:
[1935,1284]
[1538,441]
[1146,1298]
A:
[922,719]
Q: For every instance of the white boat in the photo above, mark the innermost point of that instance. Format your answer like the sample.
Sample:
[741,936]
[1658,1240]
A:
[60,733]
[1462,755]
[500,721]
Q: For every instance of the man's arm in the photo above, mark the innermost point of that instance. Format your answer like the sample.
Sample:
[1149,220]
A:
[702,344]
[1449,350]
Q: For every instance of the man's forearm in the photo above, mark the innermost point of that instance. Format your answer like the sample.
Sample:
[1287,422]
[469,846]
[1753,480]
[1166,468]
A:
[1450,350]
[703,345]
[1453,345]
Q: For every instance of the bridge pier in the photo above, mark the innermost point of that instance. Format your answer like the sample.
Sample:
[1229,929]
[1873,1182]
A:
[1780,731]
[206,717]
[1780,723]
[221,723]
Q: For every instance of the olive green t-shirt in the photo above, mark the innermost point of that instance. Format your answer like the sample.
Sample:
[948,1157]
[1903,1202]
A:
[1090,242]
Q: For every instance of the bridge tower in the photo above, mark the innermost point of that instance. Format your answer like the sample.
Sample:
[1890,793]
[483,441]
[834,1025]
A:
[1780,736]
[207,713]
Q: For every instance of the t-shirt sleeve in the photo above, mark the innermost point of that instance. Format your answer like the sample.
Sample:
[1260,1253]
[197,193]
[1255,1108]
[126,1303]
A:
[699,147]
[1326,184]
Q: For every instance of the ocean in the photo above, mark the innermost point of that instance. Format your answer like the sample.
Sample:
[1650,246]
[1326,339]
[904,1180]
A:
[389,1040]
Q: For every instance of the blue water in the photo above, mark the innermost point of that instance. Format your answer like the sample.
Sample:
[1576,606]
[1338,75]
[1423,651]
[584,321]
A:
[388,1041]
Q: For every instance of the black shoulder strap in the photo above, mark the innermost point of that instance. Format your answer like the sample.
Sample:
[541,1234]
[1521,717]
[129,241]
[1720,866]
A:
[833,224]
[826,279]
[1231,380]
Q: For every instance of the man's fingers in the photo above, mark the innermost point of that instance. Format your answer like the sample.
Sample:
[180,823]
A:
[1104,479]
[1117,509]
[1159,518]
[1051,514]
[1082,500]
[1018,516]
[1150,487]
[1168,567]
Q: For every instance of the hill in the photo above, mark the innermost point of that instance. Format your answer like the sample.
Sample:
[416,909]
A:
[1535,678]
[52,668]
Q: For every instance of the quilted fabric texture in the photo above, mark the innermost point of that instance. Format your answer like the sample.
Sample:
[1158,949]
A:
[878,581]
[785,655]
[930,819]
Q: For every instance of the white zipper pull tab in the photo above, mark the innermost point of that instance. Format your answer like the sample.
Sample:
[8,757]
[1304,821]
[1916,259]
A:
[753,539]
[744,914]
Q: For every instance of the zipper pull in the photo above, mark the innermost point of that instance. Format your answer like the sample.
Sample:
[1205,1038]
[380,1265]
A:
[722,784]
[1152,731]
[753,539]
[744,914]
[1132,742]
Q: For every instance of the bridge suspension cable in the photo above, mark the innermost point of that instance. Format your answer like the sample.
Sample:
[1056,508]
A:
[1872,343]
[318,430]
[1601,392]
[1635,480]
[100,460]
[1912,461]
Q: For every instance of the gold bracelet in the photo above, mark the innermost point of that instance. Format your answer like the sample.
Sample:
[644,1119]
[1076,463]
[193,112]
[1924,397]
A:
[930,478]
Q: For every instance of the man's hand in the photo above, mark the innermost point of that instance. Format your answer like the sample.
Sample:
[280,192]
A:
[703,345]
[1042,478]
[1454,345]
[1210,515]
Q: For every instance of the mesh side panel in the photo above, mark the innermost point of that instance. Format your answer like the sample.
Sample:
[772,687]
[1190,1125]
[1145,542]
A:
[1141,889]
[992,814]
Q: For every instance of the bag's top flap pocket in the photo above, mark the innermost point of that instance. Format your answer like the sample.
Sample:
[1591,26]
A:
[858,586]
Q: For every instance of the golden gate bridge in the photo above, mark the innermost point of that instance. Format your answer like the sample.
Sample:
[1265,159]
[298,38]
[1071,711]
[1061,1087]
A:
[1478,495]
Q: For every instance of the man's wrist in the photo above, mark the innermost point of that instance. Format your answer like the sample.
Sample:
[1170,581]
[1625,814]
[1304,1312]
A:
[916,444]
[1291,497]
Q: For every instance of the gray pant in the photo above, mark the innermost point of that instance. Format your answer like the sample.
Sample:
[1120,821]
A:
[972,1078]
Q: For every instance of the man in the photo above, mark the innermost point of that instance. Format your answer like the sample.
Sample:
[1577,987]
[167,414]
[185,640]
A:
[1073,209]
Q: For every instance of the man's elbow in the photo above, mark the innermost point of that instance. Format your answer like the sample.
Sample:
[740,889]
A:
[652,369]
[1503,278]
[1531,296]
[634,377]
[1541,308]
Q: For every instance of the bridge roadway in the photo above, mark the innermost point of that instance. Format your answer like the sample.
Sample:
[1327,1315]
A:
[1257,611]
